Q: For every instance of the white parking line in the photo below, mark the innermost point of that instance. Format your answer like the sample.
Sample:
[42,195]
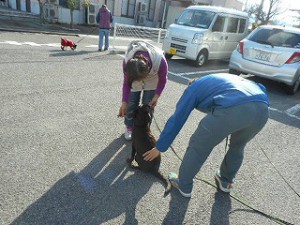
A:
[32,44]
[287,112]
[178,75]
[201,72]
[292,111]
[11,43]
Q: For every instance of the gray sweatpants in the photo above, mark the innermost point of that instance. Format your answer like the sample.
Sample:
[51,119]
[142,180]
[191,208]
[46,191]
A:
[242,122]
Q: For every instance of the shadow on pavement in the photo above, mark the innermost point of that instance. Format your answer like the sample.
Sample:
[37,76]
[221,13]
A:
[177,209]
[60,53]
[105,190]
[100,192]
[220,209]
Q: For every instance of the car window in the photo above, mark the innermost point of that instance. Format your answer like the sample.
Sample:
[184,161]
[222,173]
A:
[276,37]
[219,24]
[232,25]
[196,18]
[242,25]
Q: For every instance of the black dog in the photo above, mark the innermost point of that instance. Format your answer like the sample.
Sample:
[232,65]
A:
[143,141]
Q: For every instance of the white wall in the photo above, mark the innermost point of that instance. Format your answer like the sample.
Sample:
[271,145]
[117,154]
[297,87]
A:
[64,16]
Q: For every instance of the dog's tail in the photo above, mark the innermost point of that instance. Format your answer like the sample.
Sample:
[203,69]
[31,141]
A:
[165,179]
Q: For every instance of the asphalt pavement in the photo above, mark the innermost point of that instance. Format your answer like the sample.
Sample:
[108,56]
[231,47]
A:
[69,127]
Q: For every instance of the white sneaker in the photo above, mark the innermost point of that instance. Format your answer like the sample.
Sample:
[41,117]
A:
[173,178]
[128,134]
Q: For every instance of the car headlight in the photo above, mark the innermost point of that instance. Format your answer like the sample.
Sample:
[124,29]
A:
[197,39]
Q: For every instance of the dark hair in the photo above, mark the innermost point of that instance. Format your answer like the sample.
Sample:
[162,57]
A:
[192,81]
[137,68]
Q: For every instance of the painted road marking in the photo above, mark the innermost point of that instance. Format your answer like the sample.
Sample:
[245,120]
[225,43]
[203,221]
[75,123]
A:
[30,43]
[293,111]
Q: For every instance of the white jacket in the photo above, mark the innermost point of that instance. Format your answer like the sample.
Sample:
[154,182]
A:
[156,54]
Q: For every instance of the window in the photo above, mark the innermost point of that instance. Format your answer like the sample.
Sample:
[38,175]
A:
[128,8]
[219,24]
[196,18]
[151,9]
[232,25]
[242,25]
[185,18]
[276,37]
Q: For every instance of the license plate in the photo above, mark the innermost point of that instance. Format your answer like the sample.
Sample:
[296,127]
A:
[172,51]
[263,56]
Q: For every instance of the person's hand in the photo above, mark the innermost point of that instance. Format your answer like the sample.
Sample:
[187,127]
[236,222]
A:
[151,154]
[123,109]
[154,100]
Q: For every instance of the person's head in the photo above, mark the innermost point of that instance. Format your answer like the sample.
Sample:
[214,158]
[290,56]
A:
[137,68]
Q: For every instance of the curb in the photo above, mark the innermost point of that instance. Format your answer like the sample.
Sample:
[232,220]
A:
[37,31]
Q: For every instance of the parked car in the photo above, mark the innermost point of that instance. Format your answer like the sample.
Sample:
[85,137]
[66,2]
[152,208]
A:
[205,32]
[271,52]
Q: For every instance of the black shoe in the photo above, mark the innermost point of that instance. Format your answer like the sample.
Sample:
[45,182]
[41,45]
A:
[100,50]
[105,49]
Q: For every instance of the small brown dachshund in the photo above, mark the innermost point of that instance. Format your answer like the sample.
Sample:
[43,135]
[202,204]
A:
[143,141]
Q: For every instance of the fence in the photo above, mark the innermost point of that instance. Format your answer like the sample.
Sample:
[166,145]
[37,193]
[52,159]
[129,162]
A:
[124,34]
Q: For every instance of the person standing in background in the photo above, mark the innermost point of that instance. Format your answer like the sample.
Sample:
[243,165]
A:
[104,18]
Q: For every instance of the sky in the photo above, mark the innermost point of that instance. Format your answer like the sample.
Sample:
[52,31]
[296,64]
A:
[285,3]
[287,18]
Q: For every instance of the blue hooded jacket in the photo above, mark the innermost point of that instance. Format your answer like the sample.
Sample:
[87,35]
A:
[206,94]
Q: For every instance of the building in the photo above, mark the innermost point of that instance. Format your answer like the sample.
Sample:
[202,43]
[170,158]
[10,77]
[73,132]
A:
[150,13]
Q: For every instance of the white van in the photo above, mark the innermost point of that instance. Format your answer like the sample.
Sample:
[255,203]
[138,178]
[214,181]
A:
[205,32]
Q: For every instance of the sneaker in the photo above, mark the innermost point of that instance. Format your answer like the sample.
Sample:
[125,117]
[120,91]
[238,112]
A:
[223,185]
[173,178]
[128,133]
[99,49]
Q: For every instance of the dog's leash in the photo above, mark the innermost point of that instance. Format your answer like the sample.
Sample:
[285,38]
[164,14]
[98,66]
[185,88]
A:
[87,34]
[273,218]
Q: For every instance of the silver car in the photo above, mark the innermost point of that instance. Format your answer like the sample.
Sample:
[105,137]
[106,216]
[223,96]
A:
[271,52]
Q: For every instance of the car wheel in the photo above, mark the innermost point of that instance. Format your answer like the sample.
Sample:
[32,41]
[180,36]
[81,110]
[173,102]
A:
[201,58]
[292,89]
[235,72]
[168,56]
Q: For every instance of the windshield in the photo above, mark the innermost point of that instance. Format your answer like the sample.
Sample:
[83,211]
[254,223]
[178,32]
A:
[196,18]
[276,37]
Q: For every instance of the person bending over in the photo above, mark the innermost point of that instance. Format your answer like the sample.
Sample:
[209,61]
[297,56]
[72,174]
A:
[145,73]
[234,106]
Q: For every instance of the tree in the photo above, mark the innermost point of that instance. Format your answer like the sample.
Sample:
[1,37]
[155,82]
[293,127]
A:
[264,15]
[42,13]
[73,4]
